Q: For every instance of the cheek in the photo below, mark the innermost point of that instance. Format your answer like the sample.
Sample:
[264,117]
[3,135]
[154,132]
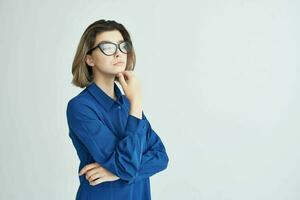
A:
[103,60]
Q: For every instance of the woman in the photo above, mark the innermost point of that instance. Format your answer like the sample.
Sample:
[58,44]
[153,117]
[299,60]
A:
[116,145]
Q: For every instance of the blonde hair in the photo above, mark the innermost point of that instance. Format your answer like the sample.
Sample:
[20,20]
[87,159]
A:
[82,72]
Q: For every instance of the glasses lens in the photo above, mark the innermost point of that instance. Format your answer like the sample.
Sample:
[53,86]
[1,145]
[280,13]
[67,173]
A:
[125,47]
[108,48]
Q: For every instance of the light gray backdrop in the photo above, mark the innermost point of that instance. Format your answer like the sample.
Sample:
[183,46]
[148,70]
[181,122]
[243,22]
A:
[220,84]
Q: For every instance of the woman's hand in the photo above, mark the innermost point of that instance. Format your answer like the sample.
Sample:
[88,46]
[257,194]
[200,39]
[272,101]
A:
[96,174]
[132,88]
[131,85]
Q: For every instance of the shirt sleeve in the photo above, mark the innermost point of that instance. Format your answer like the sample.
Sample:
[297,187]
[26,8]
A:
[123,156]
[155,158]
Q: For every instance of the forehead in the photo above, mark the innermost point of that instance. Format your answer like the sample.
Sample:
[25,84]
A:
[112,36]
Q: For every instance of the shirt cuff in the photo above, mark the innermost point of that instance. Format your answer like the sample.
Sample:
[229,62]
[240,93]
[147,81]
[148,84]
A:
[135,124]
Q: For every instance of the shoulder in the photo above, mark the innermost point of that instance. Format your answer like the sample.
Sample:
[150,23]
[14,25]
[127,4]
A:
[81,104]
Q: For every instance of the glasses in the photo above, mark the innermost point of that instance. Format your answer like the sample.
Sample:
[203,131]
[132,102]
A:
[110,48]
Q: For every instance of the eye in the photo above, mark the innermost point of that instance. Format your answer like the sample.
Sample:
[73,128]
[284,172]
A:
[107,46]
[125,45]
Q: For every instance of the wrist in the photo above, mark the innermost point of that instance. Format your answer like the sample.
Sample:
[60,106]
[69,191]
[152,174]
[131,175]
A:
[136,102]
[136,110]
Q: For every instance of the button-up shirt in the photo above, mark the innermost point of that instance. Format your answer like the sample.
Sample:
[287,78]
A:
[102,130]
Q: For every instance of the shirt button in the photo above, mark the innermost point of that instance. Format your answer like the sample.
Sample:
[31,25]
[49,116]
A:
[119,107]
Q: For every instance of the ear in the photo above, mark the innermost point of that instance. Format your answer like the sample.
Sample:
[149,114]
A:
[89,60]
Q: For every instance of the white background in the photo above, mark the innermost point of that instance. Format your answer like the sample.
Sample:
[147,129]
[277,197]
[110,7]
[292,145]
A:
[220,84]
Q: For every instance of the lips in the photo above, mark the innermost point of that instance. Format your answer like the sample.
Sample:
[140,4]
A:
[119,62]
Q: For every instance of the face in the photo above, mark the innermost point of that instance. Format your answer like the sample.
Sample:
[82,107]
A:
[107,65]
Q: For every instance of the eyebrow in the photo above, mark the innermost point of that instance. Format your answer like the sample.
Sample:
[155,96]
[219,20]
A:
[111,41]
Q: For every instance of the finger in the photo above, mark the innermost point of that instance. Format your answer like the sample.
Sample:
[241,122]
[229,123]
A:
[98,181]
[127,74]
[96,176]
[122,80]
[87,167]
[89,173]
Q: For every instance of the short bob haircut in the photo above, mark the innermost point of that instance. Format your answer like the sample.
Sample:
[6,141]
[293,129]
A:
[82,72]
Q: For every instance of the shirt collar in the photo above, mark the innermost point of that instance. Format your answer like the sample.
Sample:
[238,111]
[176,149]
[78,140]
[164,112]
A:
[103,98]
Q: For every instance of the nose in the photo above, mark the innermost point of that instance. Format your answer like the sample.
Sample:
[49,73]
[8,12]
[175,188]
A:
[118,52]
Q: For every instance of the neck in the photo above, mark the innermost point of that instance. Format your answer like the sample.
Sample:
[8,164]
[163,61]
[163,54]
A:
[106,83]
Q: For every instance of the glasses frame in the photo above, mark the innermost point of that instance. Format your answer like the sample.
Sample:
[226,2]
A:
[117,46]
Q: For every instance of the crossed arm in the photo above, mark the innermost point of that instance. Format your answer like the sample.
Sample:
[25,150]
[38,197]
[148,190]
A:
[139,154]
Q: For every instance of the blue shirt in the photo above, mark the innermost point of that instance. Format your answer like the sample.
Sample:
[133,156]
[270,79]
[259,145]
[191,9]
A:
[103,131]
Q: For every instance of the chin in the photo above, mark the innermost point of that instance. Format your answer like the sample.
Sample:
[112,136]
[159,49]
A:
[121,69]
[118,71]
